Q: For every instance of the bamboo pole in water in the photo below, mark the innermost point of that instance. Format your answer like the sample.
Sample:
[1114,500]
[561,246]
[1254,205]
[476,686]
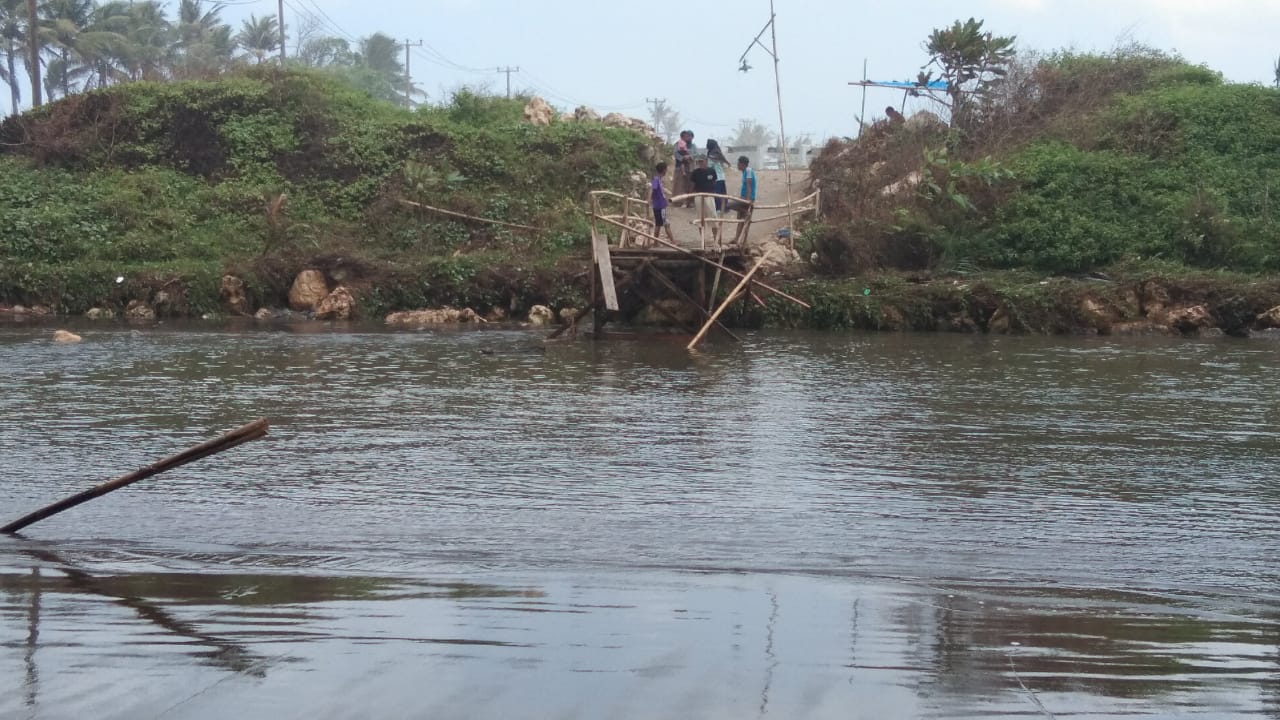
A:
[737,291]
[253,431]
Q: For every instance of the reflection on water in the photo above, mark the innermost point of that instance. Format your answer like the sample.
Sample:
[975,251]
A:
[803,526]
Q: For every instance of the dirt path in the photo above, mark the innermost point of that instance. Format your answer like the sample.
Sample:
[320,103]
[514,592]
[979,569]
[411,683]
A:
[772,191]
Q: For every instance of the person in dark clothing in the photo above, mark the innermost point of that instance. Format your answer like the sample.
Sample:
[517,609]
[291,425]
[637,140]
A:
[704,181]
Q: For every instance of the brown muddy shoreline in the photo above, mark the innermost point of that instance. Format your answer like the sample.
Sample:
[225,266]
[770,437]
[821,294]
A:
[1008,303]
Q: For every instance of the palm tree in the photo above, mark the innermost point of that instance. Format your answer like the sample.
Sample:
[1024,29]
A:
[77,42]
[33,51]
[203,42]
[11,45]
[146,53]
[259,36]
[378,70]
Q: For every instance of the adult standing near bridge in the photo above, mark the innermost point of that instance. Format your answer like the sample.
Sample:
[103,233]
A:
[684,165]
[747,194]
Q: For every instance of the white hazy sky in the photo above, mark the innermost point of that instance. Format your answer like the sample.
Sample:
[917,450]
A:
[613,55]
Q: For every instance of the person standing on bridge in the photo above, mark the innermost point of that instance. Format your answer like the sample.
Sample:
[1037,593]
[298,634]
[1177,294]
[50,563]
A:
[720,166]
[704,181]
[658,200]
[747,195]
[684,165]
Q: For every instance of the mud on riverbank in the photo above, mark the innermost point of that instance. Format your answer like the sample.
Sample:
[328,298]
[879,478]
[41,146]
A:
[998,303]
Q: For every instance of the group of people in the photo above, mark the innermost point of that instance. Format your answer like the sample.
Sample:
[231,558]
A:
[704,171]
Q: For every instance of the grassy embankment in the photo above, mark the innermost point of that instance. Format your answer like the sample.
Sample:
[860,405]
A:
[172,185]
[1134,180]
[1086,193]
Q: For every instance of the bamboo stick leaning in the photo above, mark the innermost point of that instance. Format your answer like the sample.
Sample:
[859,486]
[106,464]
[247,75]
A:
[246,433]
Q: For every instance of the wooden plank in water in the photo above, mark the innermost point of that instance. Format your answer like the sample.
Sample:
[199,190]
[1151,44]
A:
[604,264]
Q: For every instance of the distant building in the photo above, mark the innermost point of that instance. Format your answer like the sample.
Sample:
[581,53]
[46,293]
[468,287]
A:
[770,158]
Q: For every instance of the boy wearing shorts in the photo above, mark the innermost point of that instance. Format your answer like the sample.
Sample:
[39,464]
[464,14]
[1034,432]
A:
[658,201]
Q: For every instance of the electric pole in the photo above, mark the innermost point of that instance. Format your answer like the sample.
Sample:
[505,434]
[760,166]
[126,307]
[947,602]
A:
[280,17]
[508,70]
[659,110]
[408,77]
[33,41]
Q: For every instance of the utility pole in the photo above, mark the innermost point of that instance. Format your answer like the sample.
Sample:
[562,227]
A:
[658,112]
[508,70]
[408,77]
[33,61]
[280,17]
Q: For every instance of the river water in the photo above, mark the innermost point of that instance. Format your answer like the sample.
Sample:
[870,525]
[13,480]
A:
[465,524]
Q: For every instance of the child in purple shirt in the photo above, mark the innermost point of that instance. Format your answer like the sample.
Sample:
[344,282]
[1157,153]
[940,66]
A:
[658,201]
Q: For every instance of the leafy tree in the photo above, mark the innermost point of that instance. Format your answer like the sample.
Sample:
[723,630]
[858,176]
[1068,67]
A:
[1278,72]
[259,36]
[968,60]
[325,52]
[750,133]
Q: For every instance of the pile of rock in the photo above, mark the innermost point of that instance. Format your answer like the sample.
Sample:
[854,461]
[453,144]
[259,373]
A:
[538,112]
[310,293]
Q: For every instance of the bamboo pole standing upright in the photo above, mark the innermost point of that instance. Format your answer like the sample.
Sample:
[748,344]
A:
[782,128]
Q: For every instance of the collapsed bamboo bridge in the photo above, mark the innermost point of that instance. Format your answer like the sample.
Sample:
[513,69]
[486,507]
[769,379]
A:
[633,268]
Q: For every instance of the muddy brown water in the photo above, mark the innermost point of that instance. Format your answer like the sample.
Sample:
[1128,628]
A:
[456,524]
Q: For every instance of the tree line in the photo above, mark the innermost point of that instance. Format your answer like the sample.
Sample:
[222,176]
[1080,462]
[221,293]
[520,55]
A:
[83,45]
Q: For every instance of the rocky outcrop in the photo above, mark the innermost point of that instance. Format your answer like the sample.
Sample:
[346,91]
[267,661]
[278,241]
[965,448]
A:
[308,289]
[232,291]
[66,336]
[619,120]
[435,316]
[1140,328]
[1189,320]
[541,315]
[538,112]
[586,114]
[1269,319]
[337,305]
[139,310]
[100,314]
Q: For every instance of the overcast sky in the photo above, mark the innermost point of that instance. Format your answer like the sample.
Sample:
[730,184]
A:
[614,55]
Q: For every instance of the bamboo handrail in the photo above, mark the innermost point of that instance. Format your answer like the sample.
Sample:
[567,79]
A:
[464,216]
[713,263]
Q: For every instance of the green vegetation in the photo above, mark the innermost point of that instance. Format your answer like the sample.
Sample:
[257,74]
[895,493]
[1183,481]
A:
[1065,164]
[267,172]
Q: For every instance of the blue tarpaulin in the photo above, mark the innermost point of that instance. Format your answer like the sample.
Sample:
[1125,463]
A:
[903,84]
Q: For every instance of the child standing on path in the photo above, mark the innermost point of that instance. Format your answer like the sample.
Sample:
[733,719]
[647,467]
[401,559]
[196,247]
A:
[658,200]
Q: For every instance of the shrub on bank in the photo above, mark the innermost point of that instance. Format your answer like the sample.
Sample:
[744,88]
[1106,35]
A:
[1072,163]
[266,171]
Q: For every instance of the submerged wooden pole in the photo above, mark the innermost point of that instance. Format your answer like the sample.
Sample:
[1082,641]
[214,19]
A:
[742,285]
[253,431]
